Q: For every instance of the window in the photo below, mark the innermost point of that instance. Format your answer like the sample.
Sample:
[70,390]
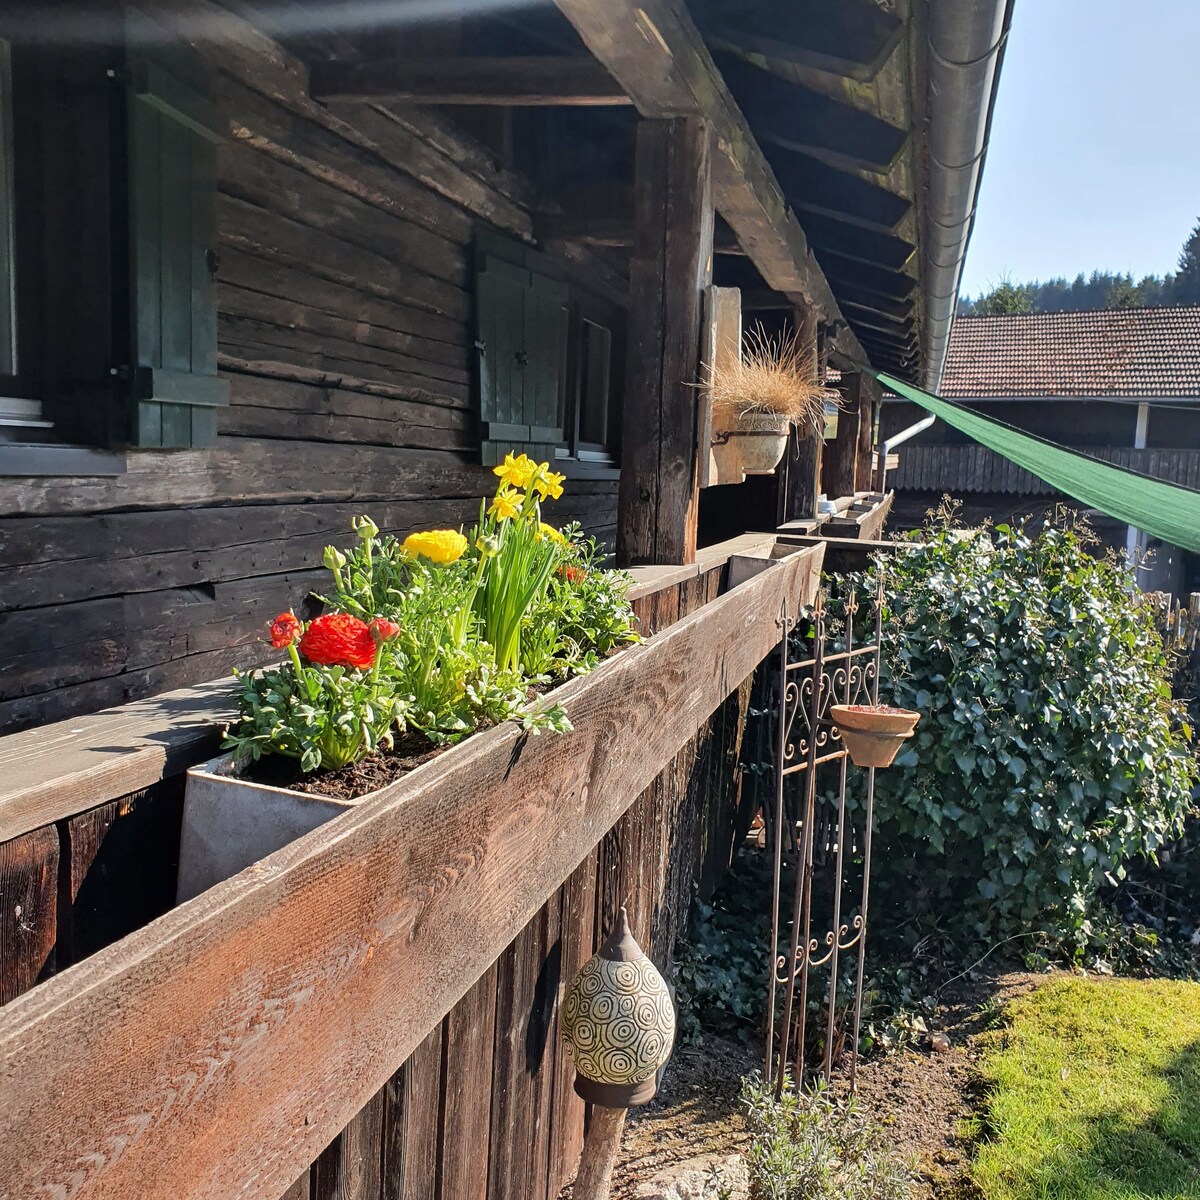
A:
[108,332]
[546,361]
[589,422]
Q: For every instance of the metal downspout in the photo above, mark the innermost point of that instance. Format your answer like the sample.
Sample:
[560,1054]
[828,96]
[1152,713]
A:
[966,47]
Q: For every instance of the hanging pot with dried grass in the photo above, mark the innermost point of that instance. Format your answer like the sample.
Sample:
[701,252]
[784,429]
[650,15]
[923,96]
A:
[758,398]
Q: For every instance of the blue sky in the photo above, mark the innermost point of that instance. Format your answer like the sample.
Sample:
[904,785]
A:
[1095,152]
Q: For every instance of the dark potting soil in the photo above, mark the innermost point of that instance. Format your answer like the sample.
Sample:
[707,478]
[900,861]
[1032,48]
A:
[347,783]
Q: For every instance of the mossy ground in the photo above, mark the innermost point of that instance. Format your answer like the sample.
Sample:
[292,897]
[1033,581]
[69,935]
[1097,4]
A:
[1093,1090]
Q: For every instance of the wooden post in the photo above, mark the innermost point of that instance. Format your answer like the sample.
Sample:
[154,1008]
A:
[838,460]
[800,483]
[601,1146]
[670,267]
[866,433]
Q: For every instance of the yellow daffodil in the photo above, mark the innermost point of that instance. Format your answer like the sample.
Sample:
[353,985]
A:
[506,504]
[550,532]
[516,472]
[440,545]
[548,484]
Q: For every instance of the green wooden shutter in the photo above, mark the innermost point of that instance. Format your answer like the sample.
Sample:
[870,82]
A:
[547,320]
[173,131]
[521,338]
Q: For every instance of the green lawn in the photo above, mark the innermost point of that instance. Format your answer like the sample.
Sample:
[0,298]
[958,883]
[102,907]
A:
[1094,1091]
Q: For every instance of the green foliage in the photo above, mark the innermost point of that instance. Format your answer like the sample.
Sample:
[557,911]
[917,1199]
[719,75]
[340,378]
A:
[1049,754]
[1091,1093]
[1005,299]
[324,716]
[812,1146]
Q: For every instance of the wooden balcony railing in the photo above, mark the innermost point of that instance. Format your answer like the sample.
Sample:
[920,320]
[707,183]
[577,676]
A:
[962,470]
[372,1009]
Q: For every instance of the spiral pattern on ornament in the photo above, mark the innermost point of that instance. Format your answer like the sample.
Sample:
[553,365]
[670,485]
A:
[618,1021]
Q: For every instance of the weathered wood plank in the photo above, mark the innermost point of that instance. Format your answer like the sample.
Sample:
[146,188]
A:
[286,977]
[411,1121]
[670,268]
[28,910]
[349,1167]
[839,456]
[122,859]
[470,1032]
[523,81]
[578,945]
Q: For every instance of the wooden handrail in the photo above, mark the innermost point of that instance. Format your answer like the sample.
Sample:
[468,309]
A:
[216,1051]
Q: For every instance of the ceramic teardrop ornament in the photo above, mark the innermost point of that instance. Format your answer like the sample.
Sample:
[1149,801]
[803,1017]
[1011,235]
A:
[618,1023]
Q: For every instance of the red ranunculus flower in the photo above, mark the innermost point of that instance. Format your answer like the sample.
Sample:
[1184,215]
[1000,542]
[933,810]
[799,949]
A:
[338,639]
[383,630]
[285,629]
[572,574]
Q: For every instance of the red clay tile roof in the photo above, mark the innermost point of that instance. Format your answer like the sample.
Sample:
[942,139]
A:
[1115,352]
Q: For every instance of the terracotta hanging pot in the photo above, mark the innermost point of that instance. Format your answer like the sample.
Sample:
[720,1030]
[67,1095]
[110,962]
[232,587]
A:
[618,1023]
[873,733]
[761,438]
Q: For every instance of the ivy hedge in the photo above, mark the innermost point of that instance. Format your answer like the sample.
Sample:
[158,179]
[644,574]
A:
[1050,752]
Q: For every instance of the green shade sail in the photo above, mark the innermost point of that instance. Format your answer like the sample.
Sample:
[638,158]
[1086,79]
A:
[1161,509]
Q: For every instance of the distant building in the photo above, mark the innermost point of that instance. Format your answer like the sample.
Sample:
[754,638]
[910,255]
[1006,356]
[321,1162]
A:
[1119,384]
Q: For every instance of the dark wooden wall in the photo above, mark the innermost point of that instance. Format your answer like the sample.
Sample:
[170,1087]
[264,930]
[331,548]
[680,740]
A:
[346,332]
[484,1108]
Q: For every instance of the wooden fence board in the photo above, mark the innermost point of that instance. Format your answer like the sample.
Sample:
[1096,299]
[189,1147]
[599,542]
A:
[349,1168]
[470,1034]
[28,910]
[411,1119]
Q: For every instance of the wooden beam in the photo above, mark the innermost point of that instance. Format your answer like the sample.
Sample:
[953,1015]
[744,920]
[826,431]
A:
[533,82]
[217,1051]
[838,457]
[800,480]
[653,48]
[593,228]
[670,267]
[868,394]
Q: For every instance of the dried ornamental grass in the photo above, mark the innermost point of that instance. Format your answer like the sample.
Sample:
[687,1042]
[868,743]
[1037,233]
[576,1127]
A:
[776,376]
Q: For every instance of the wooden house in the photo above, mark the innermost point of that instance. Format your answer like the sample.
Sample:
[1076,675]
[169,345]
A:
[269,264]
[1120,384]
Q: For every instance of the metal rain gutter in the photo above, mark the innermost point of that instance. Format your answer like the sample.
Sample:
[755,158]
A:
[966,48]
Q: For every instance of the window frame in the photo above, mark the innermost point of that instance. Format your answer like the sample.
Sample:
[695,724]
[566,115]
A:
[576,448]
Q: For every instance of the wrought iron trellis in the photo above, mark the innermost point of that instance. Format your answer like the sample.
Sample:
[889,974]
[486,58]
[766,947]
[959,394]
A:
[836,671]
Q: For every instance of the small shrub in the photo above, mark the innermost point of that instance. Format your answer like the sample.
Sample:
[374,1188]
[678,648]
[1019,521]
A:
[1050,752]
[811,1146]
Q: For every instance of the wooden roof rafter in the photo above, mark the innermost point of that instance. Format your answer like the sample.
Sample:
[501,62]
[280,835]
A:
[654,50]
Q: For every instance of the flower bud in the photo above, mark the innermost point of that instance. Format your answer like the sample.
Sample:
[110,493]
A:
[335,560]
[366,528]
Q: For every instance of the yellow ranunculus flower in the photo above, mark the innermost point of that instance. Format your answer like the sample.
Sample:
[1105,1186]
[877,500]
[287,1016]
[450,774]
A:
[548,484]
[440,545]
[506,504]
[549,531]
[516,472]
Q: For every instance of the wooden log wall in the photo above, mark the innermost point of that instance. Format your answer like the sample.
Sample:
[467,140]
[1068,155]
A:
[484,1107]
[346,332]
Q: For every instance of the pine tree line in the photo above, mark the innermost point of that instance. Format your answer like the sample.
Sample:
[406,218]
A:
[1100,289]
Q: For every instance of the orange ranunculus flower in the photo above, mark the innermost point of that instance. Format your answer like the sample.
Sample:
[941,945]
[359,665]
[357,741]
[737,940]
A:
[285,629]
[339,640]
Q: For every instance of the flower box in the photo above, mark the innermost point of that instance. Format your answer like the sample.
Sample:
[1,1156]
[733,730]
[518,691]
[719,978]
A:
[229,822]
